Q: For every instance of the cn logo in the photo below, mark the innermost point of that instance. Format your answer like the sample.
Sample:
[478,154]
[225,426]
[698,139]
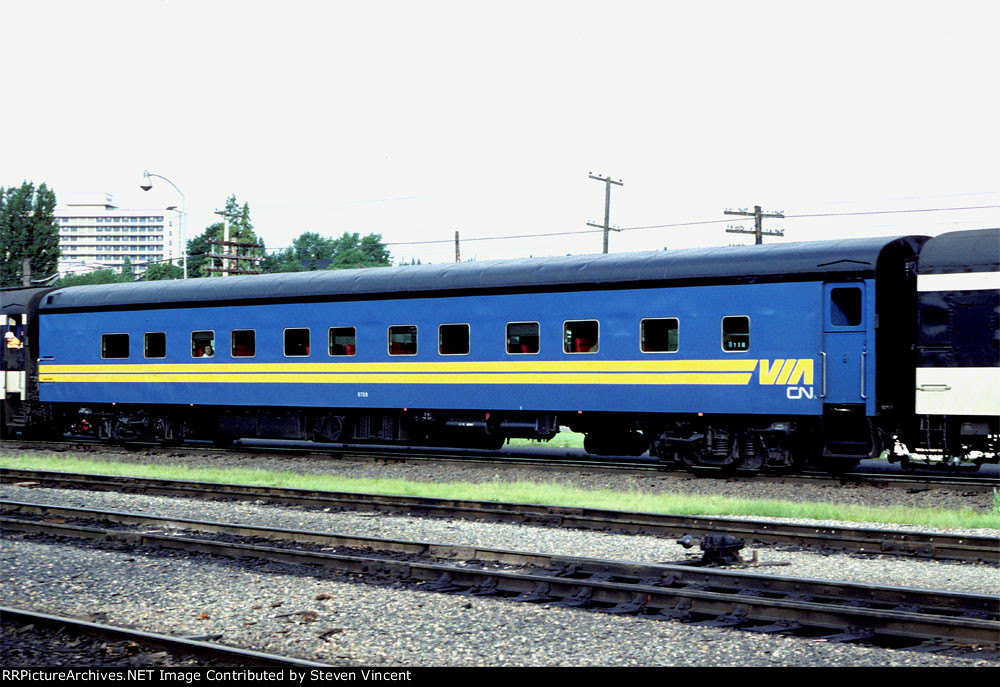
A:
[796,393]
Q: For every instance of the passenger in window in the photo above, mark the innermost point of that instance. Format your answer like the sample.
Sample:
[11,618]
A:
[208,352]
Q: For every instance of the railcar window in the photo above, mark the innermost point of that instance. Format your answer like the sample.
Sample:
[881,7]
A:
[155,345]
[403,339]
[845,306]
[522,337]
[453,339]
[114,345]
[343,341]
[297,342]
[580,336]
[736,333]
[243,343]
[203,344]
[659,335]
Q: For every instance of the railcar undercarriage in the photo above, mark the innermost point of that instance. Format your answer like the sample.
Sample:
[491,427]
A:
[947,443]
[746,443]
[167,425]
[738,447]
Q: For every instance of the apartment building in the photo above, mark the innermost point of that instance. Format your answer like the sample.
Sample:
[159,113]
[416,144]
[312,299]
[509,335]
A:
[95,234]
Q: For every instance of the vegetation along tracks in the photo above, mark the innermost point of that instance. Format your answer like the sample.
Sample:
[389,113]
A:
[410,455]
[837,611]
[854,539]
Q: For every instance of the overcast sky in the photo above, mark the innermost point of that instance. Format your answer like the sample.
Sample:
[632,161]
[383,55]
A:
[416,119]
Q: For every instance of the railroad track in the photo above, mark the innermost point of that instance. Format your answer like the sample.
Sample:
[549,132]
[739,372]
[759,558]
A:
[885,616]
[851,539]
[403,455]
[144,642]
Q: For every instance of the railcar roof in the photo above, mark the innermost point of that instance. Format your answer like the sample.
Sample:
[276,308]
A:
[16,300]
[977,250]
[733,264]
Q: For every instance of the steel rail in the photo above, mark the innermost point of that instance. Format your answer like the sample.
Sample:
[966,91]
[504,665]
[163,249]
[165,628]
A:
[233,655]
[770,603]
[979,548]
[683,574]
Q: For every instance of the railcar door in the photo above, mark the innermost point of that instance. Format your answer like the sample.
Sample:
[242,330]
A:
[845,352]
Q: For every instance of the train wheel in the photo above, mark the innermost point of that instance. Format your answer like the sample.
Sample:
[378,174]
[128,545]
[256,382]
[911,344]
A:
[600,444]
[494,442]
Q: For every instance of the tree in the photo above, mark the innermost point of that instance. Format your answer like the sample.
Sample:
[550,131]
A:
[282,261]
[28,230]
[312,246]
[163,270]
[304,255]
[311,251]
[127,270]
[240,230]
[105,276]
[350,250]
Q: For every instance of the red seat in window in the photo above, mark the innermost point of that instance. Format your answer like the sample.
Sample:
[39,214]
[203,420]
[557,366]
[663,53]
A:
[349,349]
[581,345]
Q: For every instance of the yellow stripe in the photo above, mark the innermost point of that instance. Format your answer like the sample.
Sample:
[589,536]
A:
[734,365]
[739,378]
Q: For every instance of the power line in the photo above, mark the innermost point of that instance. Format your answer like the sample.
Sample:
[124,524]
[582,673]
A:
[553,233]
[673,225]
[889,212]
[819,214]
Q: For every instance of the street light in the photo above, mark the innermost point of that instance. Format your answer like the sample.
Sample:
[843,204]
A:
[146,184]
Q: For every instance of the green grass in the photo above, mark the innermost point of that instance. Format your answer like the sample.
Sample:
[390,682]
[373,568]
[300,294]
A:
[561,440]
[628,499]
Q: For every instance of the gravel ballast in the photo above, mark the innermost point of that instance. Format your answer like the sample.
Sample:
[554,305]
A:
[261,606]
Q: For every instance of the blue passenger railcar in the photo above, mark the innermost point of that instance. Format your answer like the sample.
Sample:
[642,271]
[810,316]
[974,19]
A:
[721,349]
[743,356]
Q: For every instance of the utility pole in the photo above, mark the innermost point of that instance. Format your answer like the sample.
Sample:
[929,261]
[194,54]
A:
[458,255]
[758,230]
[230,253]
[607,208]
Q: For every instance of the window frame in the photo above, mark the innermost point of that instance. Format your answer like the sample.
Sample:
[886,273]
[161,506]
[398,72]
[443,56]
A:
[329,342]
[468,337]
[193,348]
[232,343]
[506,337]
[389,339]
[104,347]
[643,320]
[284,342]
[834,309]
[145,346]
[722,333]
[597,342]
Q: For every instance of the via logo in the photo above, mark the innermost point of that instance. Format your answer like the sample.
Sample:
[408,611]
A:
[796,373]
